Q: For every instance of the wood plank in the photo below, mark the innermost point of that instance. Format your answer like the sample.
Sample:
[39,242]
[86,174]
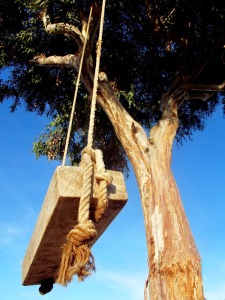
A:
[58,216]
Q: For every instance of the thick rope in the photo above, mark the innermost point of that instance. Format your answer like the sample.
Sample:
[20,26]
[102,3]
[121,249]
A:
[76,92]
[95,86]
[84,206]
[77,257]
[103,179]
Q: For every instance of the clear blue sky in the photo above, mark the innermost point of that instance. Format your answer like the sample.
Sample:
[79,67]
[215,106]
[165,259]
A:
[120,253]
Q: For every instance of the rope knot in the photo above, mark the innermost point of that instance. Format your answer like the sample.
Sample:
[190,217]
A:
[82,233]
[90,152]
[103,177]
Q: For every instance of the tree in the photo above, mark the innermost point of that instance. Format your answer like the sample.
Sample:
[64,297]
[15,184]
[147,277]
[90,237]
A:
[165,70]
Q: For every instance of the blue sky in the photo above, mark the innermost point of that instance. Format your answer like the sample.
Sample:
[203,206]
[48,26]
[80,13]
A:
[120,253]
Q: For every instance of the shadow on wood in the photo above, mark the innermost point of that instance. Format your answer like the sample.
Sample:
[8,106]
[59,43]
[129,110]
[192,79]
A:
[59,215]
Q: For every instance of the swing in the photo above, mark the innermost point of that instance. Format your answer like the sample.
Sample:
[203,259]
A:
[80,204]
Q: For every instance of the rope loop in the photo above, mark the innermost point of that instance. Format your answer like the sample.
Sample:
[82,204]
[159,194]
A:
[101,173]
[104,179]
[87,151]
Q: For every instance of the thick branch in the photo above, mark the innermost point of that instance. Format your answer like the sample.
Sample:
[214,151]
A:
[184,90]
[204,96]
[202,91]
[73,32]
[207,87]
[131,134]
[68,61]
[62,28]
[94,26]
[163,133]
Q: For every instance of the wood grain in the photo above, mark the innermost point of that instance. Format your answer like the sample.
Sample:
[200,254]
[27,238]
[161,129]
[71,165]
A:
[58,216]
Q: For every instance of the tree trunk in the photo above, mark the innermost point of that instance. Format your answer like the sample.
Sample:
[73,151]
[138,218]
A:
[174,261]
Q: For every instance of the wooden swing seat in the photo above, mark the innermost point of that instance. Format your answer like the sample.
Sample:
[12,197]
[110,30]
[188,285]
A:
[58,216]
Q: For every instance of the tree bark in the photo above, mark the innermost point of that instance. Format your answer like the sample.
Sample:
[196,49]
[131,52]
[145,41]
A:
[174,262]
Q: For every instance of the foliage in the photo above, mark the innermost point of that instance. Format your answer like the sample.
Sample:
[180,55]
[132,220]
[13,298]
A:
[52,140]
[149,48]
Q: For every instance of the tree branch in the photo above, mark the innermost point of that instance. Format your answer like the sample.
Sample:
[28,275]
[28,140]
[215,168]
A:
[73,32]
[68,61]
[62,28]
[94,26]
[129,132]
[202,91]
[206,87]
[204,96]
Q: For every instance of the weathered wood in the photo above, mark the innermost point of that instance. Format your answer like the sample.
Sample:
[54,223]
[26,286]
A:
[58,216]
[174,261]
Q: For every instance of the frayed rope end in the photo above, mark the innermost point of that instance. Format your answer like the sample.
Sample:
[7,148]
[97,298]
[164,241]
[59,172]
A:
[77,258]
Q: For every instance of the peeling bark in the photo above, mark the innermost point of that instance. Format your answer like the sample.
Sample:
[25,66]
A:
[67,61]
[174,262]
[62,28]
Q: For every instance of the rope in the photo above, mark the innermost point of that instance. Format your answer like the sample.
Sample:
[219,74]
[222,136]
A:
[76,92]
[84,206]
[95,86]
[77,257]
[104,180]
